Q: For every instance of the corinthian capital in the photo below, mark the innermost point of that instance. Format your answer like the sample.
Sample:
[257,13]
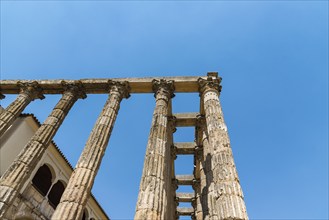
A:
[31,89]
[211,83]
[163,87]
[172,123]
[200,121]
[122,89]
[76,88]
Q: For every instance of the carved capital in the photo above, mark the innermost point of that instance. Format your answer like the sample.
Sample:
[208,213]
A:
[174,183]
[172,123]
[176,201]
[122,89]
[173,152]
[210,84]
[76,88]
[200,121]
[195,184]
[163,87]
[31,89]
[194,203]
[198,152]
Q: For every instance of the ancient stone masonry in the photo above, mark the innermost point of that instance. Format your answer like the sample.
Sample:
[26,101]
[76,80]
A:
[223,195]
[154,192]
[28,92]
[217,193]
[78,190]
[14,178]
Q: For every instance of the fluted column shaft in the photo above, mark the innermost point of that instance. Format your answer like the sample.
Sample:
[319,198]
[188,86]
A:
[171,170]
[207,192]
[20,170]
[28,92]
[77,192]
[198,172]
[223,187]
[153,196]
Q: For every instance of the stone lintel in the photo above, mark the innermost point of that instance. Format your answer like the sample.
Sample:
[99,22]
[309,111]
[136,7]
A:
[184,148]
[187,211]
[186,119]
[185,179]
[185,197]
[100,86]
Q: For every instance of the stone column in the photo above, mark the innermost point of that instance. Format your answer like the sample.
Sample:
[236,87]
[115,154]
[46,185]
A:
[20,170]
[28,92]
[207,192]
[153,197]
[198,157]
[171,170]
[77,192]
[224,191]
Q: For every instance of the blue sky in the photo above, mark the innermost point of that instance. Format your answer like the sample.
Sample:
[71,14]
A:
[272,55]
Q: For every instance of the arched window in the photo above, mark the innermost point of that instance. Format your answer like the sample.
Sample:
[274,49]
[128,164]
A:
[85,215]
[56,193]
[42,179]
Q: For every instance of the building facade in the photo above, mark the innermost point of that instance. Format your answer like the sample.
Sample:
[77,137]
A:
[41,193]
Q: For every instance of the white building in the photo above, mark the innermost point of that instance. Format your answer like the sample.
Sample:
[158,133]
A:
[42,191]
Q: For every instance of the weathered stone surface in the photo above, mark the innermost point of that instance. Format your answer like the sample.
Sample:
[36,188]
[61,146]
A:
[221,191]
[171,188]
[217,195]
[99,86]
[185,197]
[77,192]
[185,147]
[185,179]
[155,187]
[27,93]
[186,119]
[185,211]
[16,175]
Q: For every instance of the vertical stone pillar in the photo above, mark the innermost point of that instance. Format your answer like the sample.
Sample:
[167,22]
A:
[171,170]
[28,92]
[198,157]
[222,182]
[77,192]
[153,196]
[207,192]
[19,171]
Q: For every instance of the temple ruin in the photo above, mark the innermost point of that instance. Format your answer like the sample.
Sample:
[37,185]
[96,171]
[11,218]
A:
[217,191]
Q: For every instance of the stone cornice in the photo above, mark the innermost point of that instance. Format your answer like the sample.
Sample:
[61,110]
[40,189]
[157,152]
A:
[185,84]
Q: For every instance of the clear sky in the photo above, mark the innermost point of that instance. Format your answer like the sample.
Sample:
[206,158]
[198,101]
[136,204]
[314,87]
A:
[272,55]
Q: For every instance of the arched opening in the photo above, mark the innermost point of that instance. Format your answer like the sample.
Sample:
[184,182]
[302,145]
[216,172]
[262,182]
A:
[56,193]
[42,179]
[85,215]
